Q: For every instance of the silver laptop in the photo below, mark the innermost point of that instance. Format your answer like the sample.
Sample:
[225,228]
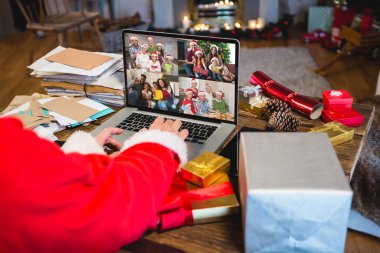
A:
[176,76]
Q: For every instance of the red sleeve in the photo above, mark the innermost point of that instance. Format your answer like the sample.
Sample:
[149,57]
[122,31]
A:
[56,202]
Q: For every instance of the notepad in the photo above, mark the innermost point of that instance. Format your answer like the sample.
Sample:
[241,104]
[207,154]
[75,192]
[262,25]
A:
[79,58]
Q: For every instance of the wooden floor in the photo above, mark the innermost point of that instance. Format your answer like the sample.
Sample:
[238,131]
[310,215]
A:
[356,73]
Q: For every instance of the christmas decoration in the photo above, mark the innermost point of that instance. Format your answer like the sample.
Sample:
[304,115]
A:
[275,105]
[187,204]
[205,169]
[337,132]
[304,105]
[336,98]
[250,94]
[283,122]
[256,108]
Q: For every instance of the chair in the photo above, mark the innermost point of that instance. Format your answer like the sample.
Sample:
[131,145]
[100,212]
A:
[55,16]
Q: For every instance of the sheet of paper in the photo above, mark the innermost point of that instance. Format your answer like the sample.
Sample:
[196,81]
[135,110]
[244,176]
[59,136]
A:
[20,108]
[70,109]
[43,65]
[45,133]
[79,58]
[16,102]
[25,118]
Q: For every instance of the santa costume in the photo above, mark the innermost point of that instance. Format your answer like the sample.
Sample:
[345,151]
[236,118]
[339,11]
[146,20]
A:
[78,199]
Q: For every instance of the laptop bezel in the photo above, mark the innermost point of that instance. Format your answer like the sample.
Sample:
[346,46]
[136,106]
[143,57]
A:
[188,37]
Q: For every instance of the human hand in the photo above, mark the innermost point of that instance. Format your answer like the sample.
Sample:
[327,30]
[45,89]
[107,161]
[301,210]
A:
[105,137]
[169,126]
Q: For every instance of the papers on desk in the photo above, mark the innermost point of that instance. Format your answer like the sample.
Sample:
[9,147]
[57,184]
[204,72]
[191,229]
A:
[80,73]
[49,115]
[43,66]
[70,112]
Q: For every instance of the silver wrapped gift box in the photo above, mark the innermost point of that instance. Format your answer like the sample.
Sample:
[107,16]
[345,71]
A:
[250,94]
[295,197]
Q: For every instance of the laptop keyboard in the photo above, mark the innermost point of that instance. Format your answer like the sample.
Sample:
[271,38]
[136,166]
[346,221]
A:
[198,133]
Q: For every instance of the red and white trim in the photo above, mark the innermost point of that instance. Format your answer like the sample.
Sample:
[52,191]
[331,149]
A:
[166,139]
[193,42]
[83,143]
[216,47]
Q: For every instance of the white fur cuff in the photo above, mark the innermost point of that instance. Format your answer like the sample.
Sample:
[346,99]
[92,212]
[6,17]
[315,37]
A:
[166,139]
[83,143]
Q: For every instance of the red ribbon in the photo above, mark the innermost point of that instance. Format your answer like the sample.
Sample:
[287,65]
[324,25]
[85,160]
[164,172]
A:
[306,106]
[177,210]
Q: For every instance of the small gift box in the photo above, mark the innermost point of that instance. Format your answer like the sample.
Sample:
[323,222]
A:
[337,132]
[205,169]
[250,94]
[336,98]
[255,108]
[294,195]
[346,116]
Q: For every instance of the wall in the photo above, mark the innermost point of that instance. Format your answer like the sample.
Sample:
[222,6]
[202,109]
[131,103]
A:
[300,8]
[251,9]
[125,8]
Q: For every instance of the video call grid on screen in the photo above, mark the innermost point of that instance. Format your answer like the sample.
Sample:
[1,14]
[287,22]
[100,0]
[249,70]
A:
[194,77]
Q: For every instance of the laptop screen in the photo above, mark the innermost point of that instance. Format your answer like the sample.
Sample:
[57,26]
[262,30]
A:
[181,75]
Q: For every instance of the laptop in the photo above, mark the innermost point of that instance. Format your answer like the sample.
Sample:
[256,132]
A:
[177,76]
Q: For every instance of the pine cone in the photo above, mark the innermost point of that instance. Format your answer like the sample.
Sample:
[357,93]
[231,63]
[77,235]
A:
[283,122]
[275,105]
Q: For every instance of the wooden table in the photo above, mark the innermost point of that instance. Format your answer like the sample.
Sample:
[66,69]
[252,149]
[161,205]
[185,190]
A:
[227,236]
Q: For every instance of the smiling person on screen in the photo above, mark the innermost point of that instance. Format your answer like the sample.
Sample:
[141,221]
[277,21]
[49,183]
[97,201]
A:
[77,198]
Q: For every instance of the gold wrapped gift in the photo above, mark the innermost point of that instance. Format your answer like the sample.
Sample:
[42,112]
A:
[255,108]
[337,132]
[205,169]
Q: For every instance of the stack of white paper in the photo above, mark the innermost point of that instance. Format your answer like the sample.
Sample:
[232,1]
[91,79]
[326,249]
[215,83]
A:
[104,83]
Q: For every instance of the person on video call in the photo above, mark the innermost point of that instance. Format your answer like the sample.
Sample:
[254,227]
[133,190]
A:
[77,198]
[135,91]
[188,106]
[167,101]
[203,107]
[214,53]
[142,58]
[209,95]
[134,50]
[151,46]
[168,66]
[219,104]
[154,64]
[216,70]
[190,59]
[160,53]
[194,89]
[199,63]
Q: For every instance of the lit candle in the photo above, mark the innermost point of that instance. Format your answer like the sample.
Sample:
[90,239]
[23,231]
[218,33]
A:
[216,4]
[252,24]
[186,23]
[232,3]
[221,3]
[260,23]
[226,2]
